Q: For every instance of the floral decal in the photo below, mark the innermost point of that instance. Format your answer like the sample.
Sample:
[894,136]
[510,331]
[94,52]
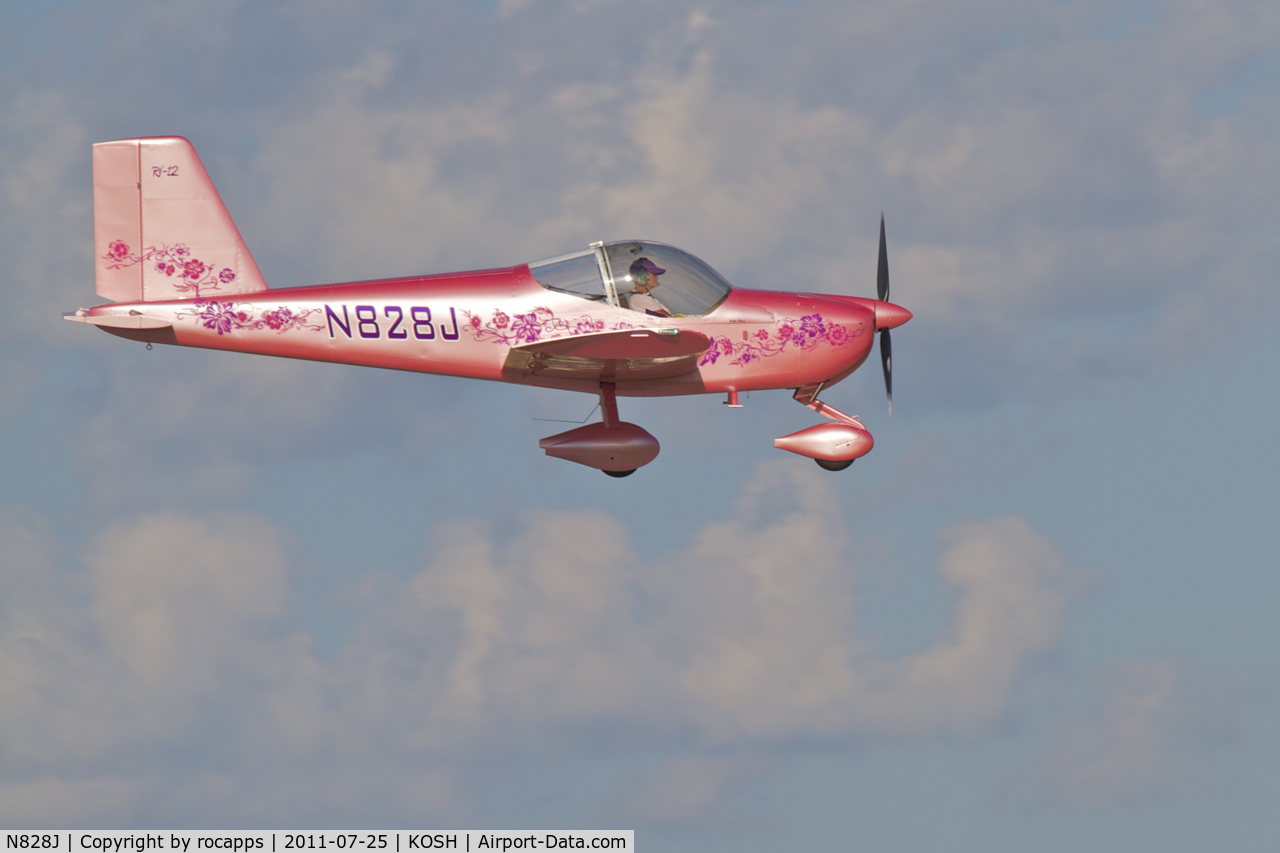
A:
[176,260]
[223,317]
[804,335]
[539,324]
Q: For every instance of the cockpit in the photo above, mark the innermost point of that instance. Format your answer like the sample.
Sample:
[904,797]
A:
[650,278]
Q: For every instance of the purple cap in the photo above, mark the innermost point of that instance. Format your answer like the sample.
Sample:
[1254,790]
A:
[645,264]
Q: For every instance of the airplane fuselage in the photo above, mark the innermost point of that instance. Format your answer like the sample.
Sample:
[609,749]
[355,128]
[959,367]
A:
[469,324]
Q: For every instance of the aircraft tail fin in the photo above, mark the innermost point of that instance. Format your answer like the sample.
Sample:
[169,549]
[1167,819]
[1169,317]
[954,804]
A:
[160,230]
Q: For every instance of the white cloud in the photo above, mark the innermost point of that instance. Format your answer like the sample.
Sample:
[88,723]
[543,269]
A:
[744,636]
[172,621]
[1155,728]
[509,642]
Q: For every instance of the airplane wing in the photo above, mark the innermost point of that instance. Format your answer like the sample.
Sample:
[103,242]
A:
[611,356]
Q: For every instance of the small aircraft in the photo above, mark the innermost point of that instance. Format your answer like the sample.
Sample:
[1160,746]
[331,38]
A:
[631,318]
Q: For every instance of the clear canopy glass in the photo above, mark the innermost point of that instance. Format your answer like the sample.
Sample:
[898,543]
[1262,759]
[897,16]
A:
[616,273]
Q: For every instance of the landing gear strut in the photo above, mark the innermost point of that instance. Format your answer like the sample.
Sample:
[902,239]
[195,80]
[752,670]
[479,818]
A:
[834,446]
[609,446]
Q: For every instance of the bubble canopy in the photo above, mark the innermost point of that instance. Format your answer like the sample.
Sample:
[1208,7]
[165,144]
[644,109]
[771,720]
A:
[611,272]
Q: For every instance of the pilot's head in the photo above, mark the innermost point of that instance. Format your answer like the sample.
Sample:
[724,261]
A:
[644,273]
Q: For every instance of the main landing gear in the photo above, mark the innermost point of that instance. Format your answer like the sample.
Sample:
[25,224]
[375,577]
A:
[613,446]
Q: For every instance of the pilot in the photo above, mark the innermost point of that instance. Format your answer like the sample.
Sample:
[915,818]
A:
[644,278]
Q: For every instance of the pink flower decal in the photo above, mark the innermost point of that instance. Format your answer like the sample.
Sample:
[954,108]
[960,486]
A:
[196,274]
[540,324]
[805,334]
[193,269]
[226,317]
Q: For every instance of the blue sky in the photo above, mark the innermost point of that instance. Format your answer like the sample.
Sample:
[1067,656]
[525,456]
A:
[1040,616]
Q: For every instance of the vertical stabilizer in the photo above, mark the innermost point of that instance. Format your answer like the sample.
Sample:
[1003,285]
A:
[160,229]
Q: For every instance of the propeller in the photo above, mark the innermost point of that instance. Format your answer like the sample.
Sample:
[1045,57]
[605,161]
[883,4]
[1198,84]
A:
[882,293]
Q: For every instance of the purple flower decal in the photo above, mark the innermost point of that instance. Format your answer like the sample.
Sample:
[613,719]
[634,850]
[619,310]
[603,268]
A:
[226,276]
[812,325]
[527,327]
[225,317]
[805,334]
[218,316]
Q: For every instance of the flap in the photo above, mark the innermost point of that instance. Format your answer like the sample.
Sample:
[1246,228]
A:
[625,345]
[632,354]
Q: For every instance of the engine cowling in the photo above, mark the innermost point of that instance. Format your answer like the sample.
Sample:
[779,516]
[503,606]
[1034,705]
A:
[834,442]
[621,447]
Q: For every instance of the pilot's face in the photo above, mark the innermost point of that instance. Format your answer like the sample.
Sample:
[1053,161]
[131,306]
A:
[645,280]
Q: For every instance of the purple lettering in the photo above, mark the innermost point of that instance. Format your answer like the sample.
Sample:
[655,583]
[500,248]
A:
[422,328]
[367,318]
[344,324]
[392,332]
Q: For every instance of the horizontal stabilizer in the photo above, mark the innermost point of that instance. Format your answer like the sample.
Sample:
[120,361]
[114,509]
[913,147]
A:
[132,320]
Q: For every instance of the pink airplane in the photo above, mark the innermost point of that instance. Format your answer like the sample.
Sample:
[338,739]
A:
[631,319]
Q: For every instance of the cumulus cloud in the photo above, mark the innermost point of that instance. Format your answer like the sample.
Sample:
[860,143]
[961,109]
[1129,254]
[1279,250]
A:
[744,635]
[166,619]
[175,638]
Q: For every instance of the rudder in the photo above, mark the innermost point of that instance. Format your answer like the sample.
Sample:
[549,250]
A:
[160,228]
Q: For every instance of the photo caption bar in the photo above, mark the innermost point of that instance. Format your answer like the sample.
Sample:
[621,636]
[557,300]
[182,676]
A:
[275,841]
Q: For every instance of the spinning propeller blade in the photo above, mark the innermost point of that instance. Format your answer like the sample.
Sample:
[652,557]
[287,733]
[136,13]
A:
[882,293]
[886,362]
[882,275]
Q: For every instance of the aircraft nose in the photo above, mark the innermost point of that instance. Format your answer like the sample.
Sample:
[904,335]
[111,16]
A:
[890,316]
